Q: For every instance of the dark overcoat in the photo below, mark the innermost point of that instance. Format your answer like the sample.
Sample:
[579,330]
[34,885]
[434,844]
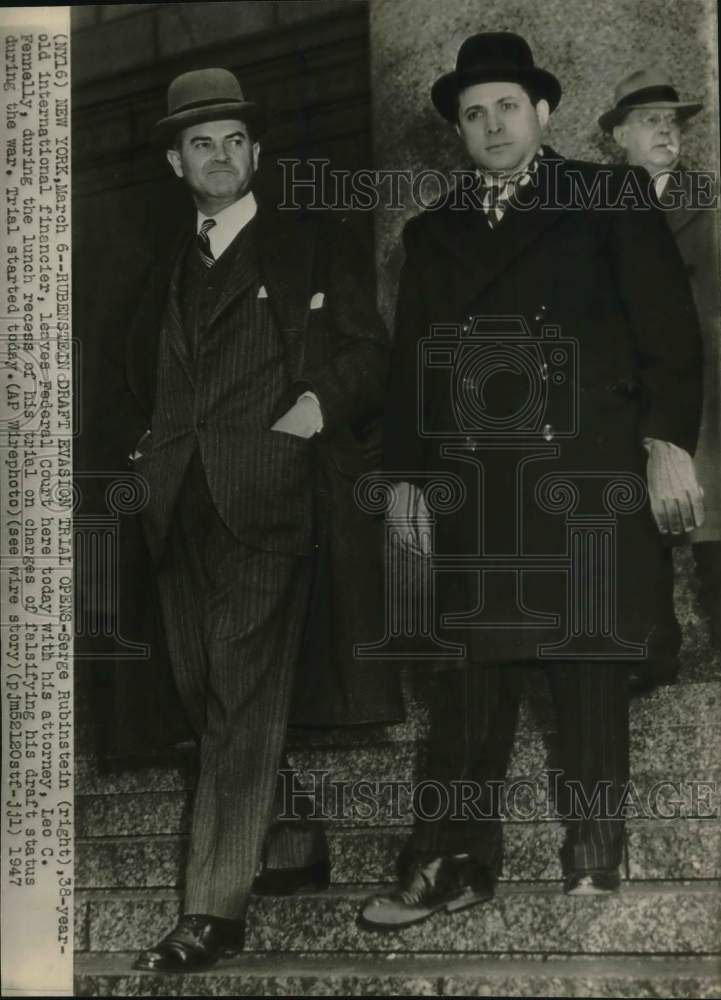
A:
[696,229]
[300,498]
[539,419]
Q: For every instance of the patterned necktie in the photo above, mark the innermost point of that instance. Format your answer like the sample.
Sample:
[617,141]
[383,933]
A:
[496,194]
[206,254]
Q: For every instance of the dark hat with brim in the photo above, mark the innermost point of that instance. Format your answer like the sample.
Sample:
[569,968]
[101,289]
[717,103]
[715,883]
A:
[206,95]
[493,57]
[646,88]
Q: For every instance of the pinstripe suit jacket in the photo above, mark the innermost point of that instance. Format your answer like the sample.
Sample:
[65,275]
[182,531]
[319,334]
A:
[262,481]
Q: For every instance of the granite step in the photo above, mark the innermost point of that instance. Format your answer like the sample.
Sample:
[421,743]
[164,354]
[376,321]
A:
[673,849]
[153,813]
[690,751]
[417,975]
[524,918]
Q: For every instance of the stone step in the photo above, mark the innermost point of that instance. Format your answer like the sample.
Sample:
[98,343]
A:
[524,918]
[675,849]
[152,813]
[361,975]
[678,751]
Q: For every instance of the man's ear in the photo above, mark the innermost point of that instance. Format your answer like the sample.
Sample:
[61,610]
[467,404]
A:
[619,135]
[256,155]
[543,112]
[175,162]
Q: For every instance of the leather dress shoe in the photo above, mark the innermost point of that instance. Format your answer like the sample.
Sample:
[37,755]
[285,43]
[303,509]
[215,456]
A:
[583,884]
[286,881]
[448,884]
[196,942]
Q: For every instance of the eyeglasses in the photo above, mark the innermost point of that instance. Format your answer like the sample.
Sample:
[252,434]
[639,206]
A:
[652,119]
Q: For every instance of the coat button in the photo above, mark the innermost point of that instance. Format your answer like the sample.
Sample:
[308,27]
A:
[547,432]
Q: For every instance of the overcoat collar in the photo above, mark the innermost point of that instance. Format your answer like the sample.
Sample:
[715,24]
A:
[679,185]
[483,253]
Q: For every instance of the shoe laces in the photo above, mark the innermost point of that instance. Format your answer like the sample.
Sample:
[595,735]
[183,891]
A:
[421,880]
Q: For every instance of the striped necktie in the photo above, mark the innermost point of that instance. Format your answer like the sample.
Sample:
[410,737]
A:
[206,254]
[497,193]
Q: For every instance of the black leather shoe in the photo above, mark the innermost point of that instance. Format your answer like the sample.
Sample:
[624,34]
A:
[448,884]
[582,884]
[197,942]
[286,881]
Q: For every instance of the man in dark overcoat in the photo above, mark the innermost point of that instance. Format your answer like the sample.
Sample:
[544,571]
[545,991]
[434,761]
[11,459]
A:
[258,359]
[538,362]
[647,122]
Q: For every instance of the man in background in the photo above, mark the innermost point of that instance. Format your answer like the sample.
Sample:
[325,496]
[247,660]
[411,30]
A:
[647,122]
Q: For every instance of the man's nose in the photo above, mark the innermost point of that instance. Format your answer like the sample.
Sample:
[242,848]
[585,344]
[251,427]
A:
[494,123]
[220,152]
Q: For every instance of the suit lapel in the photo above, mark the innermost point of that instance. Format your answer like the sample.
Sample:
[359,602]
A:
[484,253]
[237,280]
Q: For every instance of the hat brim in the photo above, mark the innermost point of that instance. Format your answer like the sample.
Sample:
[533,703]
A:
[444,92]
[166,129]
[616,116]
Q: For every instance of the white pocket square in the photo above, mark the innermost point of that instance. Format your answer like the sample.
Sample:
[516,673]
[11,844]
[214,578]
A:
[262,294]
[317,301]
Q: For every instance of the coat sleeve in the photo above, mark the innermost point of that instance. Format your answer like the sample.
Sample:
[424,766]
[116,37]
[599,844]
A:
[350,380]
[659,303]
[403,443]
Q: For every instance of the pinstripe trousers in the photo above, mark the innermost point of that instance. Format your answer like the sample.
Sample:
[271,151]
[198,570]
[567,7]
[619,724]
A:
[234,617]
[474,712]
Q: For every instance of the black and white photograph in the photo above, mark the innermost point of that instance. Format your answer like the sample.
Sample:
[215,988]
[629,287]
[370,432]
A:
[361,450]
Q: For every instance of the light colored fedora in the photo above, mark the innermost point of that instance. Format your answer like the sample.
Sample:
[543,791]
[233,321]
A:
[645,88]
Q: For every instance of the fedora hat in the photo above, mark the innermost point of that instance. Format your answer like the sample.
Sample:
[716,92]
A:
[206,95]
[645,88]
[488,58]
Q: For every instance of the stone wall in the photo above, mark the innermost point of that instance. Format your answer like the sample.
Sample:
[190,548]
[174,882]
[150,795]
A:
[120,37]
[588,44]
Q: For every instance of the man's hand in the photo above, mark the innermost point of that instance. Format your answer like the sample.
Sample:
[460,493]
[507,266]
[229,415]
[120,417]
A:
[304,418]
[410,516]
[675,495]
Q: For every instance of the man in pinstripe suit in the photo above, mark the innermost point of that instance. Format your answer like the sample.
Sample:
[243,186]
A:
[260,337]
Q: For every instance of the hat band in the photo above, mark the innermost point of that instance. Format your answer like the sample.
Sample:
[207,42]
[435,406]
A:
[648,94]
[212,102]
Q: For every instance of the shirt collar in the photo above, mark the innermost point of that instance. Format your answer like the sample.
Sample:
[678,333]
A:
[228,222]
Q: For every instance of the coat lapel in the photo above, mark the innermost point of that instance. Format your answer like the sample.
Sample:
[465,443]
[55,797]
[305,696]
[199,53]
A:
[237,280]
[678,189]
[484,253]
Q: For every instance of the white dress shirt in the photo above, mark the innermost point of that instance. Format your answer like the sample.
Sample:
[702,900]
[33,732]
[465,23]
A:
[228,223]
